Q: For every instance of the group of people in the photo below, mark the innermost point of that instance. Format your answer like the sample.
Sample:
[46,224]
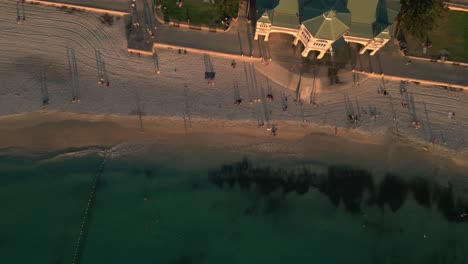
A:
[150,32]
[269,97]
[416,124]
[184,51]
[102,82]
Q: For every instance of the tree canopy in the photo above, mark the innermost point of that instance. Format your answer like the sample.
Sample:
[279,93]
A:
[418,17]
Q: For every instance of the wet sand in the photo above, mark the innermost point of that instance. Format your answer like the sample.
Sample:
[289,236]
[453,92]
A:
[46,132]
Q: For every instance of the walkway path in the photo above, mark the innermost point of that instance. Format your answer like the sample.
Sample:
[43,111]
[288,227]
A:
[233,41]
[388,61]
[238,40]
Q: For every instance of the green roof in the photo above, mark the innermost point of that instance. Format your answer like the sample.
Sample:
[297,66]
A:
[290,7]
[264,18]
[285,14]
[330,25]
[370,17]
[360,18]
[361,30]
[385,34]
[393,8]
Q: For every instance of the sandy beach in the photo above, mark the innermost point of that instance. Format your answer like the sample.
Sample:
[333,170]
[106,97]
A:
[111,157]
[223,142]
[60,58]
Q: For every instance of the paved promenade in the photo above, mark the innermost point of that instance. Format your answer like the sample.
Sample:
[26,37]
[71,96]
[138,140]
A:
[239,40]
[388,61]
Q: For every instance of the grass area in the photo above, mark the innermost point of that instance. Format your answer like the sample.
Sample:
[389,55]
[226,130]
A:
[451,36]
[199,12]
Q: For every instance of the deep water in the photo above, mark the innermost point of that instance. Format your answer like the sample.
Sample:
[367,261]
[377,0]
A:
[242,212]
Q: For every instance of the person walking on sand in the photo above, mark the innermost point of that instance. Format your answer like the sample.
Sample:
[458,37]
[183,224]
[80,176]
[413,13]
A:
[336,131]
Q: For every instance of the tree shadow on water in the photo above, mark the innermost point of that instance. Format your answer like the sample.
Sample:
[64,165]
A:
[353,187]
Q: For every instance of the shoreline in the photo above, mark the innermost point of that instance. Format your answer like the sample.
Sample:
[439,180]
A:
[55,131]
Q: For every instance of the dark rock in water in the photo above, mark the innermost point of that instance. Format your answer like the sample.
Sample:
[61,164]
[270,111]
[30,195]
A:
[421,190]
[393,191]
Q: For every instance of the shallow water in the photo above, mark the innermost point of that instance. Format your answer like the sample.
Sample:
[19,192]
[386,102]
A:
[159,212]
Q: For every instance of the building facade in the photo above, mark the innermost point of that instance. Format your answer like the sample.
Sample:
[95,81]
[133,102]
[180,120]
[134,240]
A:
[317,24]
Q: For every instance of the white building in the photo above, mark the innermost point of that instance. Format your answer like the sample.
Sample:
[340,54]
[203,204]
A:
[319,23]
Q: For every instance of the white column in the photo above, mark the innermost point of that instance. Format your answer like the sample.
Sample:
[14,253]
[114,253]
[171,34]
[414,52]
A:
[296,40]
[267,36]
[305,53]
[321,54]
[363,50]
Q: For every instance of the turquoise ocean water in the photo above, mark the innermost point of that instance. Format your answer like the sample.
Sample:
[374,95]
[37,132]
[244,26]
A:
[158,212]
